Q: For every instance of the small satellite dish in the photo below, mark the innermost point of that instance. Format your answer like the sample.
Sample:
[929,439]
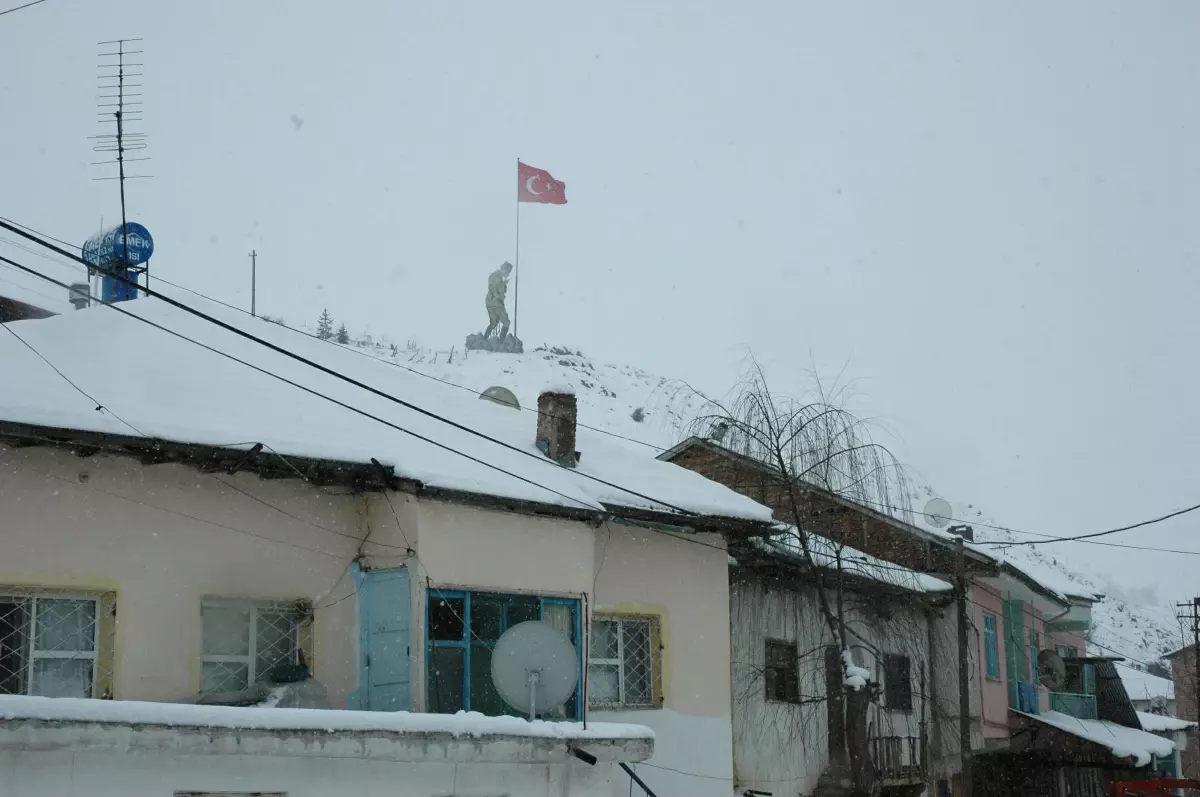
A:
[534,666]
[502,396]
[1052,670]
[937,513]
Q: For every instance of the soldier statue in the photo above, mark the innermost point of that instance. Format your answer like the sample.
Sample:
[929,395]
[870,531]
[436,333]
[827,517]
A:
[497,290]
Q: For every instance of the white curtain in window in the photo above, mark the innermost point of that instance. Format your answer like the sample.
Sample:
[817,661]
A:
[65,625]
[558,616]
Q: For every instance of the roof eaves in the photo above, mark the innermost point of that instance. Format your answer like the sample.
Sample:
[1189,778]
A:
[671,454]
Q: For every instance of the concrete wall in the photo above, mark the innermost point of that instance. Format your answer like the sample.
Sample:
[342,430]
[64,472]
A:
[1183,675]
[993,691]
[103,773]
[683,581]
[782,747]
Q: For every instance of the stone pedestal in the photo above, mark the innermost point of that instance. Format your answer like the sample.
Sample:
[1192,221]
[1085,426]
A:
[511,344]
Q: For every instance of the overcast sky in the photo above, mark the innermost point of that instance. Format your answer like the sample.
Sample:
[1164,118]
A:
[984,218]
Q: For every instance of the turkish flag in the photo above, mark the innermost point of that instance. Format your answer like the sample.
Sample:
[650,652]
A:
[536,185]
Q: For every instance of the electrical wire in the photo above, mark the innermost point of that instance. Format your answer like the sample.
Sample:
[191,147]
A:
[1049,537]
[307,334]
[13,227]
[18,8]
[336,374]
[311,391]
[140,433]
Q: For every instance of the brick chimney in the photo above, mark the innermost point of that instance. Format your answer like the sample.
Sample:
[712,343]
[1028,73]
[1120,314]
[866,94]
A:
[557,413]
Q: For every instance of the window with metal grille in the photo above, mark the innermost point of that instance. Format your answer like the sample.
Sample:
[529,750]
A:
[243,642]
[782,673]
[897,682]
[624,664]
[55,644]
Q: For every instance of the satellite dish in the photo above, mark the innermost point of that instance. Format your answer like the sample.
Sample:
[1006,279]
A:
[502,396]
[534,666]
[937,513]
[1052,670]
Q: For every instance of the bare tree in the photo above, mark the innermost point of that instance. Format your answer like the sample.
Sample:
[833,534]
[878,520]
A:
[802,448]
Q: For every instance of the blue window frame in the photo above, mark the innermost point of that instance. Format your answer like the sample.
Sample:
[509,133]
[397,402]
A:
[461,630]
[991,646]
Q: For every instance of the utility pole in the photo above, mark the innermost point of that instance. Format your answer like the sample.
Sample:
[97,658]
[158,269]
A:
[253,279]
[964,668]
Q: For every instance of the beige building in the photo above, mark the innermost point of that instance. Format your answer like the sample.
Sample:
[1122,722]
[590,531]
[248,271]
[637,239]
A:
[193,538]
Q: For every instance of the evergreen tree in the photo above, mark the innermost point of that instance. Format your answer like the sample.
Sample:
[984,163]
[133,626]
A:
[342,335]
[325,325]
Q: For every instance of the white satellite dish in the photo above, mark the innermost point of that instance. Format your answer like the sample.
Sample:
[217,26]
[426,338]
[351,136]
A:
[1051,669]
[937,513]
[534,665]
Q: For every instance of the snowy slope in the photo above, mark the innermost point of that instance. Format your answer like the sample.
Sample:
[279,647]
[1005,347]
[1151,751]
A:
[609,395]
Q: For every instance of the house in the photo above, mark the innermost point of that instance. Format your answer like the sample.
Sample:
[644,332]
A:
[1027,734]
[192,521]
[1150,693]
[790,666]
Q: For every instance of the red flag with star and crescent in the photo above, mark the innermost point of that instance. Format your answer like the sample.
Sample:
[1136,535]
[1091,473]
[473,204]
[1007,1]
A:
[537,185]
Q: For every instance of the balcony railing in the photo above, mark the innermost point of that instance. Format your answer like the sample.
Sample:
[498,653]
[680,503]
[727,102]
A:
[1079,706]
[897,758]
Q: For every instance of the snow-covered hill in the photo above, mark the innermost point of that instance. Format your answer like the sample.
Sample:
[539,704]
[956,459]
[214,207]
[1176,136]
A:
[653,412]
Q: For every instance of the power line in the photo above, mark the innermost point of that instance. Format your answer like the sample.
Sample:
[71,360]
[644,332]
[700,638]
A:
[1050,537]
[18,8]
[234,487]
[338,375]
[307,334]
[356,410]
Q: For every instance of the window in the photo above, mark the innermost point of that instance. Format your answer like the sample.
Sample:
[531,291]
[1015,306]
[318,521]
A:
[55,644]
[782,672]
[463,628]
[1067,651]
[991,646]
[243,642]
[624,664]
[897,682]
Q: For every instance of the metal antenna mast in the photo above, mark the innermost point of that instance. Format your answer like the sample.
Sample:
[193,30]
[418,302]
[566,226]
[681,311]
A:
[126,112]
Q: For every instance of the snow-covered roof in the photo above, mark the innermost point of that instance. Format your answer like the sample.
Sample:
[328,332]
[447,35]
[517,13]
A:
[174,390]
[1158,723]
[1144,686]
[1124,742]
[131,712]
[826,554]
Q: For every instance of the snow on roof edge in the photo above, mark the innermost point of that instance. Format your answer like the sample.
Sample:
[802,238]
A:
[14,708]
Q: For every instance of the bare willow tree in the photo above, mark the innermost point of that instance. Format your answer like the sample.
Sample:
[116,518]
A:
[792,450]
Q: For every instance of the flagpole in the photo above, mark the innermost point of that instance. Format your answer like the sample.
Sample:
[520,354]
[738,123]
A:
[517,263]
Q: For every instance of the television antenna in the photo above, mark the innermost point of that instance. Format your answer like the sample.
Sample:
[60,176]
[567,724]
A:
[534,665]
[121,108]
[937,512]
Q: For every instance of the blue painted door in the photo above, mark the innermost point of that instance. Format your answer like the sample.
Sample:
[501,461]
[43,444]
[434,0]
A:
[386,621]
